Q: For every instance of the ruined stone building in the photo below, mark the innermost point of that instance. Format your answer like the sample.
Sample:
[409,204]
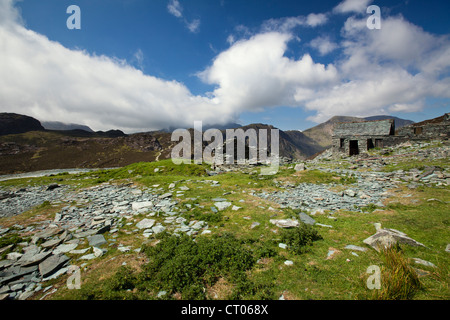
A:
[352,138]
[437,128]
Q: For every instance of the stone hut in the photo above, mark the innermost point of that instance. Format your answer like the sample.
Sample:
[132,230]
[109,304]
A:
[352,138]
[437,128]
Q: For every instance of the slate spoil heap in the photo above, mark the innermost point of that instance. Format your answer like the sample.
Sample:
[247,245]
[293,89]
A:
[53,245]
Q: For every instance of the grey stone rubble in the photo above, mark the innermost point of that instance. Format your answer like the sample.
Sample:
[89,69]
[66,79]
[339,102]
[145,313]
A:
[21,200]
[371,188]
[89,221]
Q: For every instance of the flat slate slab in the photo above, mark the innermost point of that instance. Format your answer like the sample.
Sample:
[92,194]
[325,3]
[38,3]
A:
[306,219]
[52,264]
[97,240]
[145,224]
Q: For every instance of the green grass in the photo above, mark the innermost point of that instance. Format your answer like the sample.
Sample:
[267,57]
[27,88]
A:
[237,262]
[408,164]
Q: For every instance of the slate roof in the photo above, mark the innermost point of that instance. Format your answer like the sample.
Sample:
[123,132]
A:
[366,128]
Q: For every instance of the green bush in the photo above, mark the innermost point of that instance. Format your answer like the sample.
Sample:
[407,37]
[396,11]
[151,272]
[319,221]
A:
[265,250]
[298,239]
[178,264]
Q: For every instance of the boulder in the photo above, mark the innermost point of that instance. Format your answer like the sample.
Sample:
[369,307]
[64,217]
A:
[385,238]
[285,223]
[300,167]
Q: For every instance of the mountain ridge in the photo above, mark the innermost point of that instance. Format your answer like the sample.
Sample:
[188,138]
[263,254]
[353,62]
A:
[41,149]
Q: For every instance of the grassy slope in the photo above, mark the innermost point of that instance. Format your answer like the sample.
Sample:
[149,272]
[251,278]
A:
[312,276]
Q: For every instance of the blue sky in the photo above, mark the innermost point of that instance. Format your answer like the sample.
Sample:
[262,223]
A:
[141,65]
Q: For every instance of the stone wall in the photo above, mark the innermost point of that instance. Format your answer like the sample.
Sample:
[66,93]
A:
[345,145]
[426,131]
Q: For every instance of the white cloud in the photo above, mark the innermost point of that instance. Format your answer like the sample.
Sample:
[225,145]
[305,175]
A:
[254,73]
[314,19]
[391,70]
[394,69]
[41,78]
[138,57]
[194,26]
[358,6]
[231,39]
[287,24]
[175,8]
[324,45]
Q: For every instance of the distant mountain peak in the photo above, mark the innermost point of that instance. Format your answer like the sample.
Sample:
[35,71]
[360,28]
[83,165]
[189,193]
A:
[61,126]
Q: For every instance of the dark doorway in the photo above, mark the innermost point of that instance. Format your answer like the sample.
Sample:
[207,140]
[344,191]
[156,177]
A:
[354,149]
[370,144]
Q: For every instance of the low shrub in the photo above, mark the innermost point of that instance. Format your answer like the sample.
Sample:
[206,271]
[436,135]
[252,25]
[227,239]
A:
[298,239]
[179,264]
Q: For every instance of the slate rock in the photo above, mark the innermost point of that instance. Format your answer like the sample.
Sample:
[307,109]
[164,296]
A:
[357,248]
[137,206]
[222,205]
[64,248]
[254,225]
[306,219]
[51,243]
[53,186]
[35,259]
[385,238]
[424,262]
[158,229]
[52,264]
[96,240]
[165,195]
[350,193]
[145,224]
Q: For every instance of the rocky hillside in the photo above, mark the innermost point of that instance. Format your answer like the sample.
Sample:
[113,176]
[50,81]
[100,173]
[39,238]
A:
[44,149]
[26,146]
[12,123]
